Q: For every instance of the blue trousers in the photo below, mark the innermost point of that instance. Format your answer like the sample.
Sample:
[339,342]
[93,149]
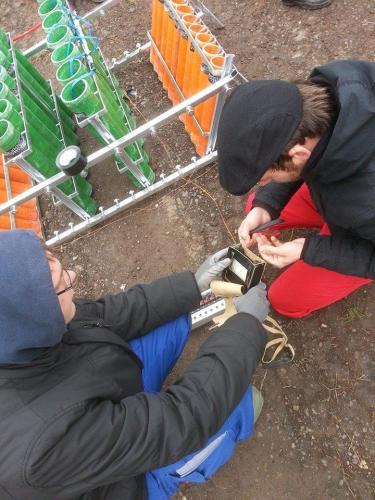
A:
[159,350]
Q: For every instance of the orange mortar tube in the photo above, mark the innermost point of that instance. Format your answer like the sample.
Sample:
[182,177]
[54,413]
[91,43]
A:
[181,11]
[203,82]
[191,83]
[183,48]
[154,10]
[26,216]
[210,50]
[156,27]
[166,26]
[192,70]
[171,53]
[217,63]
[166,43]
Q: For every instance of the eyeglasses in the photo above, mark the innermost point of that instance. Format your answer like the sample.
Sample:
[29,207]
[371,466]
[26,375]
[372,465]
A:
[71,284]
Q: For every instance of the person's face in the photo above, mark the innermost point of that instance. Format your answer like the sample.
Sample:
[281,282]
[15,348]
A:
[63,279]
[279,176]
[292,163]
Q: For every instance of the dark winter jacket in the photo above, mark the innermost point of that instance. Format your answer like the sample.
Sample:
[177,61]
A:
[75,423]
[340,175]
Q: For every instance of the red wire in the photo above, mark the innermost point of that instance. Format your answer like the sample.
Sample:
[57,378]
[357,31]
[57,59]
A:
[25,33]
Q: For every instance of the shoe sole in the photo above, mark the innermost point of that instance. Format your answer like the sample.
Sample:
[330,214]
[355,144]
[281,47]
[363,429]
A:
[307,7]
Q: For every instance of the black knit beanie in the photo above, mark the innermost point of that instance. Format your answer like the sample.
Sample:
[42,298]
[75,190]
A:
[257,122]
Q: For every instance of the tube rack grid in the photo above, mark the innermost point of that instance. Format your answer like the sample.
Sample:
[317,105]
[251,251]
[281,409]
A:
[48,186]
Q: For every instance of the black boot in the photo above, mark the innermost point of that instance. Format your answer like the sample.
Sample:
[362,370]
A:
[307,4]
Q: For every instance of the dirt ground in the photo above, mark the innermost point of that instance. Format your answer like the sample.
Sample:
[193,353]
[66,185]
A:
[315,438]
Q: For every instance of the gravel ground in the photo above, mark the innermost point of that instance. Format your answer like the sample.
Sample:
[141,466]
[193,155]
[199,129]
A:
[315,437]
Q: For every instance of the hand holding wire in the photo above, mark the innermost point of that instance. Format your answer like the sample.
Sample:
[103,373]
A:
[277,253]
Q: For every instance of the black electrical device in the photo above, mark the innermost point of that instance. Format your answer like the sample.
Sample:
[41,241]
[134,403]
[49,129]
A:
[243,270]
[71,161]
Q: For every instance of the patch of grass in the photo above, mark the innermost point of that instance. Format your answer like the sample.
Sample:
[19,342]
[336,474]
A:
[352,314]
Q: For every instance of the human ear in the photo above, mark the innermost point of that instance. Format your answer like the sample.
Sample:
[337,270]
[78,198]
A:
[299,155]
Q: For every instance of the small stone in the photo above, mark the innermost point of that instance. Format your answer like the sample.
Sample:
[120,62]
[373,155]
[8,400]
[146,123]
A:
[323,325]
[295,407]
[324,462]
[138,268]
[363,464]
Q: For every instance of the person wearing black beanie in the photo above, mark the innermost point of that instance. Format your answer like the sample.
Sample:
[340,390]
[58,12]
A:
[310,148]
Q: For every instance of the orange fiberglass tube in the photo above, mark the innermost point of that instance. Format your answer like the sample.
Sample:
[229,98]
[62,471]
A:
[202,38]
[192,65]
[187,19]
[208,111]
[172,46]
[154,21]
[191,70]
[156,29]
[26,215]
[181,11]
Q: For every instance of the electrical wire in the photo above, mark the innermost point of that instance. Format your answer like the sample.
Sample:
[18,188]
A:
[27,32]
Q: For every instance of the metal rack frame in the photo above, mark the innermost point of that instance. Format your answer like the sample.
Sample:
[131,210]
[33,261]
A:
[20,159]
[220,87]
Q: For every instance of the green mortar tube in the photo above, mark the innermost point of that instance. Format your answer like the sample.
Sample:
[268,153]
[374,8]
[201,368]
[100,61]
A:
[78,97]
[63,108]
[5,58]
[66,119]
[5,93]
[9,135]
[72,70]
[31,70]
[7,112]
[34,88]
[58,36]
[64,52]
[83,186]
[48,6]
[6,78]
[43,158]
[49,138]
[50,120]
[44,116]
[4,40]
[23,64]
[53,19]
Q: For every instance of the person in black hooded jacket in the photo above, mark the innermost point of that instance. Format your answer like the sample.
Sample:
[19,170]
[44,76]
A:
[310,146]
[82,412]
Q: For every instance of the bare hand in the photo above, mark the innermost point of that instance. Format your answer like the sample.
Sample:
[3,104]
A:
[254,218]
[279,254]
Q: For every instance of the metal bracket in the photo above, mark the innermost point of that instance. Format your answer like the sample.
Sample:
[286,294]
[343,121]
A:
[132,199]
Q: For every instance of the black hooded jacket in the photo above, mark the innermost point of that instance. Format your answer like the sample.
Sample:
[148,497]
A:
[340,175]
[75,423]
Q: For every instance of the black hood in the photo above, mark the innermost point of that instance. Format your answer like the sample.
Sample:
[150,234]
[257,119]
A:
[352,143]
